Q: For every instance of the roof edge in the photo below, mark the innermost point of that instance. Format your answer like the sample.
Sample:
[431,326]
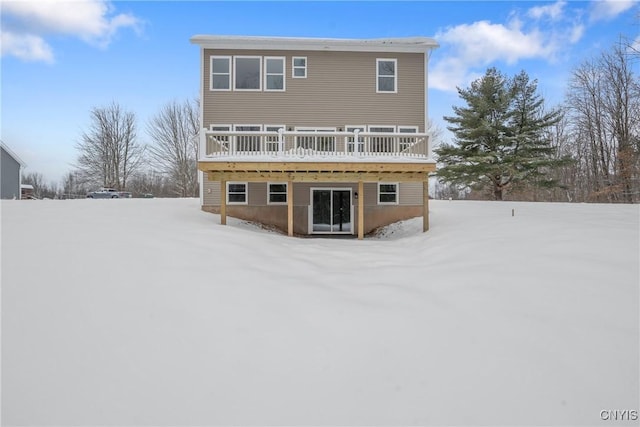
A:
[13,154]
[398,44]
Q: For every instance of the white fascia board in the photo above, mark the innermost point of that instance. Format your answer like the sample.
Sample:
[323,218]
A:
[404,44]
[12,154]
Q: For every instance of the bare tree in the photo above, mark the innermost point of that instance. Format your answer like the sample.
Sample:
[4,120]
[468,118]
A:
[109,152]
[603,101]
[174,131]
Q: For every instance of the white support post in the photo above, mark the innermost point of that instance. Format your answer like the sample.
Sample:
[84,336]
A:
[356,141]
[203,142]
[280,140]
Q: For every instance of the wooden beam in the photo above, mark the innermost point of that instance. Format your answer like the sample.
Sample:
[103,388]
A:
[379,166]
[290,208]
[223,202]
[360,210]
[258,176]
[425,205]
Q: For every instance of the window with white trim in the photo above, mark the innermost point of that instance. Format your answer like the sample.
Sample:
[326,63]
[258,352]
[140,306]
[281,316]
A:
[406,142]
[247,142]
[276,193]
[274,73]
[272,142]
[316,143]
[299,67]
[237,193]
[218,143]
[382,144]
[247,73]
[220,73]
[387,193]
[386,75]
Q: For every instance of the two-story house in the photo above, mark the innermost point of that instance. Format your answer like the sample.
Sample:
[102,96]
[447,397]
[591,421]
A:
[315,136]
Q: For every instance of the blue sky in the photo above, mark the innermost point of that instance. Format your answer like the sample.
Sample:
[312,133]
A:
[60,59]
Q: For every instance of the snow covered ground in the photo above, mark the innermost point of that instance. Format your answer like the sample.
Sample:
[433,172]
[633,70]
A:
[148,312]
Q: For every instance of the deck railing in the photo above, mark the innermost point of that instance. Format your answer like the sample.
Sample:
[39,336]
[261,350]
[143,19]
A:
[215,144]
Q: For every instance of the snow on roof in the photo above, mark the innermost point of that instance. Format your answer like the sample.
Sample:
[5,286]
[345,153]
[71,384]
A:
[26,186]
[401,44]
[12,154]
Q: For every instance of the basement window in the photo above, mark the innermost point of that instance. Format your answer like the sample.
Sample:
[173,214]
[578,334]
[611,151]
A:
[387,193]
[237,193]
[277,193]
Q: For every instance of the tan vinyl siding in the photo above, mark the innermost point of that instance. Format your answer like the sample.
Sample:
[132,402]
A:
[211,192]
[302,190]
[410,193]
[257,193]
[340,89]
[370,193]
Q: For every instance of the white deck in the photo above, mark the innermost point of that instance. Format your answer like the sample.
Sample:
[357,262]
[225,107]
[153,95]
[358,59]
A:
[302,146]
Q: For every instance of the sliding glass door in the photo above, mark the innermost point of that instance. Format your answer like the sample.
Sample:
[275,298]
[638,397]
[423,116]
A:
[331,210]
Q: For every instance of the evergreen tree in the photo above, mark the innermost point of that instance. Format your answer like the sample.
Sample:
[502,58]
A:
[499,136]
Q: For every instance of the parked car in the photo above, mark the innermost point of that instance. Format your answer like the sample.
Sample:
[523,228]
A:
[104,193]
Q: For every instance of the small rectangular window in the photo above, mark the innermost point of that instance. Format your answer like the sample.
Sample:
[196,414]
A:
[274,73]
[237,193]
[387,193]
[220,73]
[299,64]
[277,193]
[387,76]
[247,72]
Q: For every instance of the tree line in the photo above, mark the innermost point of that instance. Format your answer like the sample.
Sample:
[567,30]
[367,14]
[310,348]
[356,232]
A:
[509,145]
[110,154]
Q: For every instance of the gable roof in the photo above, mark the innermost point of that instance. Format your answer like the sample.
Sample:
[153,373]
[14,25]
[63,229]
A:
[403,44]
[12,154]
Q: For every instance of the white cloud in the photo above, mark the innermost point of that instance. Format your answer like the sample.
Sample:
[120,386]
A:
[552,11]
[603,10]
[576,32]
[90,20]
[481,43]
[542,32]
[26,47]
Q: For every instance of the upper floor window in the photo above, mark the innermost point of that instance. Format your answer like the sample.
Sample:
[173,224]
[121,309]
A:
[274,73]
[299,64]
[220,73]
[387,76]
[246,74]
